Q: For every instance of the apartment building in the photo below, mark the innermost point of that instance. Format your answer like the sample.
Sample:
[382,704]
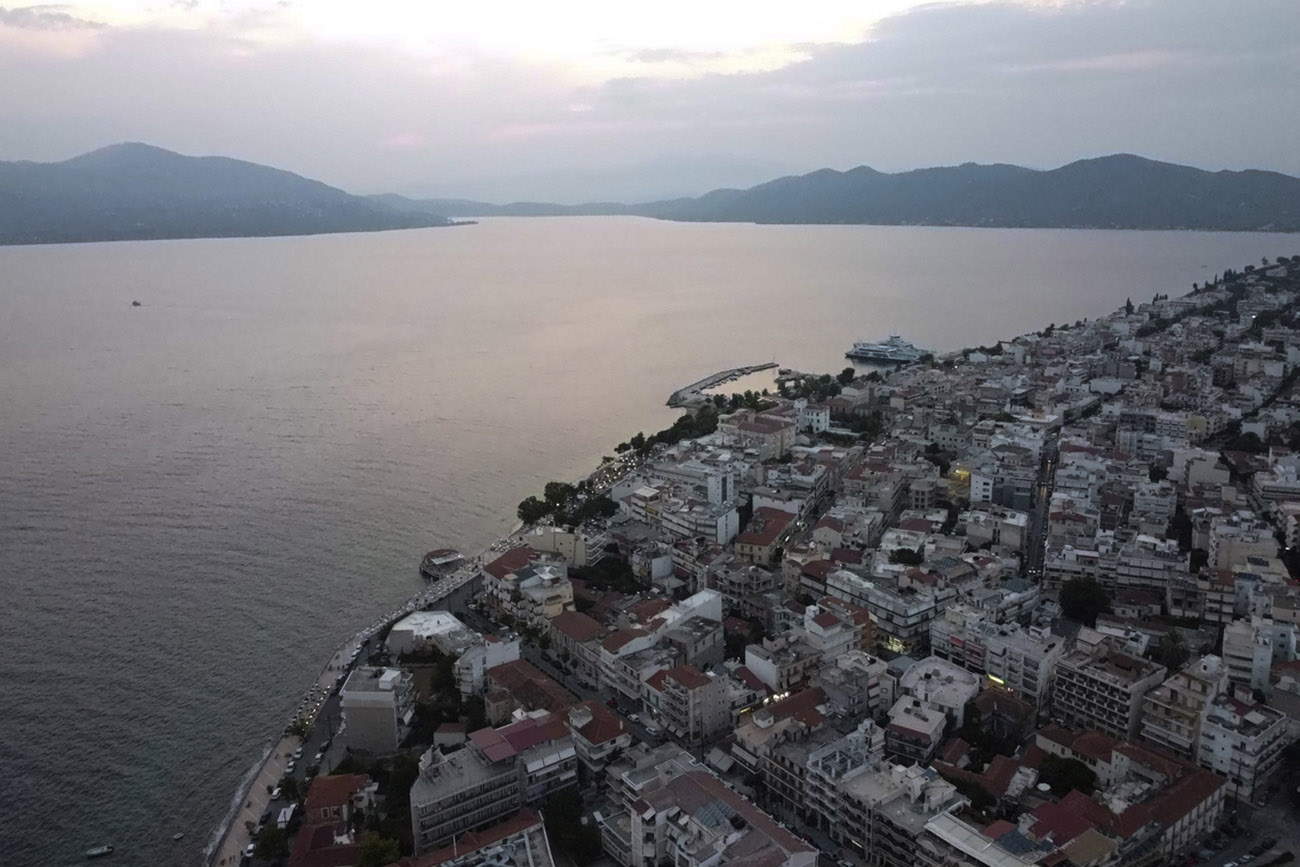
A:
[691,706]
[915,731]
[901,616]
[668,809]
[1172,712]
[599,736]
[378,705]
[884,814]
[1103,689]
[1020,660]
[856,685]
[496,773]
[1243,741]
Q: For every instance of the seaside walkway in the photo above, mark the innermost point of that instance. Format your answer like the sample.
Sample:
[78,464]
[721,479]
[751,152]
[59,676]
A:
[255,794]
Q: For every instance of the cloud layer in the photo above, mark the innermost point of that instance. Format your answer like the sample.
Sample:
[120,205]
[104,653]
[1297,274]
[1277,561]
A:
[1196,81]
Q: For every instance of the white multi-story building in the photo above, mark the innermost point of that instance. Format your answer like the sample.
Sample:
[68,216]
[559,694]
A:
[1172,712]
[378,705]
[691,706]
[668,809]
[1018,659]
[902,618]
[857,684]
[499,771]
[1244,743]
[939,684]
[1235,538]
[1248,651]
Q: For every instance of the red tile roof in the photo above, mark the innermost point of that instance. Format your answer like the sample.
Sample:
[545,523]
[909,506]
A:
[314,847]
[604,726]
[646,611]
[689,676]
[764,528]
[846,555]
[516,558]
[577,626]
[333,791]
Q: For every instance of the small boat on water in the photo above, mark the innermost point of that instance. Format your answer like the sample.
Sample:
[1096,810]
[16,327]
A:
[99,851]
[178,835]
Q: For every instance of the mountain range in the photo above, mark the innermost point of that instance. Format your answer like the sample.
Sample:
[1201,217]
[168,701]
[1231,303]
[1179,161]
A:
[1121,191]
[135,191]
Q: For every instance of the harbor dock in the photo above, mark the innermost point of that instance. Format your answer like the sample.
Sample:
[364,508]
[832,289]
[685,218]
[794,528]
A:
[693,394]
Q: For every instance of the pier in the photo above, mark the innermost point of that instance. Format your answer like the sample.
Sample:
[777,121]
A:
[693,394]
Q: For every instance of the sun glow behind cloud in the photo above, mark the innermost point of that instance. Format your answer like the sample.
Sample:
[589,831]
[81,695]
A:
[588,39]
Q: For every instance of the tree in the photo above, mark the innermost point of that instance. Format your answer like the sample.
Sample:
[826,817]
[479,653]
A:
[273,844]
[1128,306]
[289,788]
[846,376]
[1082,599]
[377,851]
[1066,775]
[299,728]
[532,510]
[557,493]
[637,442]
[1172,652]
[907,556]
[566,830]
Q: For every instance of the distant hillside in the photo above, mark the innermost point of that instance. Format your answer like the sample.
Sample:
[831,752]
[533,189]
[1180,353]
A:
[137,192]
[1114,192]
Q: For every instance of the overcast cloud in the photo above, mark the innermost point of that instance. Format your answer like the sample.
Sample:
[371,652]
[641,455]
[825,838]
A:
[1203,82]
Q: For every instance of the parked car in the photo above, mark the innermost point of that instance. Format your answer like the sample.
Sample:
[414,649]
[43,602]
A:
[275,795]
[634,717]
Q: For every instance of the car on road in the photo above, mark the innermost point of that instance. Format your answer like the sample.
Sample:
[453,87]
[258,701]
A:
[288,769]
[651,729]
[634,717]
[319,756]
[1233,864]
[275,795]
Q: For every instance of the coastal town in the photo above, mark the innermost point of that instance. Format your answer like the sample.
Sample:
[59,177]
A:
[1031,603]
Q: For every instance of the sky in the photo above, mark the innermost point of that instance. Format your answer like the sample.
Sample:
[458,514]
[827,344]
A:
[572,100]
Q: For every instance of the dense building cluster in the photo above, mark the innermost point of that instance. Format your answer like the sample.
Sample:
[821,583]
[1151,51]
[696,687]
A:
[1032,603]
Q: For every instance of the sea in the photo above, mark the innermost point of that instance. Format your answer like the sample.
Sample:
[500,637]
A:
[200,496]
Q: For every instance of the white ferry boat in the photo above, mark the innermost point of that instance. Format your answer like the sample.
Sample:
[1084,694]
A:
[895,350]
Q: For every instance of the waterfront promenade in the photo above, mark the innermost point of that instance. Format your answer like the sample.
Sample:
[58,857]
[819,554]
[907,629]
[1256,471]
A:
[254,795]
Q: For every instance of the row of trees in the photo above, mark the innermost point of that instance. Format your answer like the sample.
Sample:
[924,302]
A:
[567,504]
[687,426]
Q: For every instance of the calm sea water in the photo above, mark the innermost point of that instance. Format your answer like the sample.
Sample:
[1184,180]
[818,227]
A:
[200,496]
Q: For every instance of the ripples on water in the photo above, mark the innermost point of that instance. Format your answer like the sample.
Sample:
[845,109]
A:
[199,497]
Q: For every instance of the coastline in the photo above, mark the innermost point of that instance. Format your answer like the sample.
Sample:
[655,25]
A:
[229,839]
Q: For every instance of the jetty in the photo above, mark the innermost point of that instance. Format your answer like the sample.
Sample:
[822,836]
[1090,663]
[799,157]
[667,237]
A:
[693,394]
